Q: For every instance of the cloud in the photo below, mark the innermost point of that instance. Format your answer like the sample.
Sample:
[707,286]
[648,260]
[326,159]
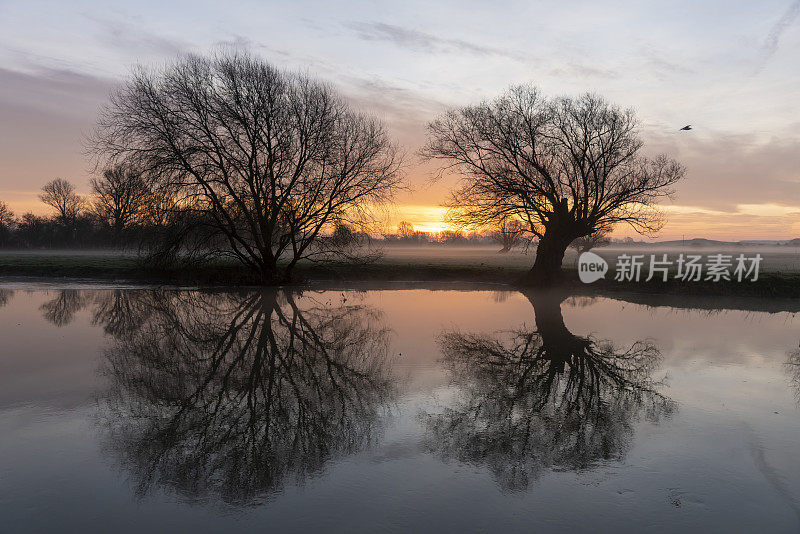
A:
[57,91]
[772,41]
[45,114]
[133,38]
[237,42]
[663,69]
[425,42]
[726,172]
[580,71]
[729,226]
[432,44]
[769,210]
[406,108]
[394,99]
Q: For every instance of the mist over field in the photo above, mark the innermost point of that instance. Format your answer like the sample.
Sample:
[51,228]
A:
[775,258]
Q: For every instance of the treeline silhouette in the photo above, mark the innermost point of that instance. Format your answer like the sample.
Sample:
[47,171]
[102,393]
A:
[507,235]
[123,211]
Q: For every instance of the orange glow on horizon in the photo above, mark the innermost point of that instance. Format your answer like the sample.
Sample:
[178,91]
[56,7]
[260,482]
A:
[768,221]
[748,221]
[424,218]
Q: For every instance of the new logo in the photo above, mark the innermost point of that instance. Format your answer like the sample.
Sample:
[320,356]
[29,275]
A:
[591,267]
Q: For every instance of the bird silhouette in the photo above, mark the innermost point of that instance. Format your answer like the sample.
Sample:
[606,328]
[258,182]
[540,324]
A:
[687,127]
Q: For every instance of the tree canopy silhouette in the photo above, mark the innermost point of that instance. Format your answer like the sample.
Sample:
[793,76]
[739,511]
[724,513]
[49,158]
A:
[6,223]
[565,167]
[121,197]
[265,160]
[60,195]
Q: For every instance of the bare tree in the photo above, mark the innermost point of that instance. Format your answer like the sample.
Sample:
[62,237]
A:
[588,242]
[6,215]
[405,230]
[566,167]
[121,197]
[6,223]
[509,233]
[792,368]
[60,195]
[268,159]
[344,237]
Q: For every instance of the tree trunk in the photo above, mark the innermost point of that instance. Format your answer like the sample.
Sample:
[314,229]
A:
[269,273]
[550,326]
[546,270]
[559,345]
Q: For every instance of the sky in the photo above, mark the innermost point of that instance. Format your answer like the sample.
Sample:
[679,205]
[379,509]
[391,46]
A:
[731,69]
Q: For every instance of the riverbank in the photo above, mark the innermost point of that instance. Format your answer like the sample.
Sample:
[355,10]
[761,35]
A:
[104,266]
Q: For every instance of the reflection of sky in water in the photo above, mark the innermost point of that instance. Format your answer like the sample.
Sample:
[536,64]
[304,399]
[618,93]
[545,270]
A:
[726,458]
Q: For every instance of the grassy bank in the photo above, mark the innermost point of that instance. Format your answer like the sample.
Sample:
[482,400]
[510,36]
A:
[126,268]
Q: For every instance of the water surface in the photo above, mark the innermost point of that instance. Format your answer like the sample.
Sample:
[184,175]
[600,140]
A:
[410,409]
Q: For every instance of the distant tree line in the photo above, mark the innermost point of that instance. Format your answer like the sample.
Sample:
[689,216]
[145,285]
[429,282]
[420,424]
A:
[508,234]
[104,219]
[405,234]
[122,211]
[125,211]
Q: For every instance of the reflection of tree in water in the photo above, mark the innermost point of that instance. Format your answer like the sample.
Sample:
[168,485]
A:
[793,370]
[121,311]
[61,310]
[117,310]
[228,394]
[533,400]
[5,296]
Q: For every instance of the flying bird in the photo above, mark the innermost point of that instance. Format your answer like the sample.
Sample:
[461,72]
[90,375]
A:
[687,127]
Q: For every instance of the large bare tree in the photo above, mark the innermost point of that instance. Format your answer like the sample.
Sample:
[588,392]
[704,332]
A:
[566,167]
[121,197]
[60,195]
[268,159]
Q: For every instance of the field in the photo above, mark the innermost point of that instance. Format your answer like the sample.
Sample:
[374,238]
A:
[779,271]
[775,259]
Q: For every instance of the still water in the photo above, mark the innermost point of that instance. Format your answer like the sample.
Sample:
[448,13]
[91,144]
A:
[129,410]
